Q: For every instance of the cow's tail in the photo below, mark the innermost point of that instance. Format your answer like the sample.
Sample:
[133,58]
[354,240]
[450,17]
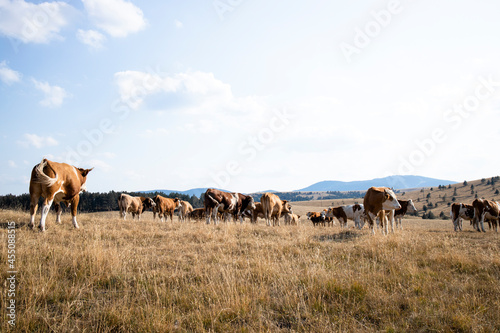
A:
[212,200]
[41,177]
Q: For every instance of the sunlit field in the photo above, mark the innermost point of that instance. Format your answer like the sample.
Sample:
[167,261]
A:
[150,276]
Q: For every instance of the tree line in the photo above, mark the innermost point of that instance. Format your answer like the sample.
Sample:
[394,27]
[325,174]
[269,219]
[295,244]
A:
[95,201]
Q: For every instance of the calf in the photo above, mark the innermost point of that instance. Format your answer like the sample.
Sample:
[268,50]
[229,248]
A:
[376,201]
[291,219]
[317,218]
[184,210]
[197,214]
[55,182]
[134,205]
[407,206]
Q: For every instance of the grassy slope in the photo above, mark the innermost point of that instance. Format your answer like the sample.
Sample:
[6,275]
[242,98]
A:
[114,275]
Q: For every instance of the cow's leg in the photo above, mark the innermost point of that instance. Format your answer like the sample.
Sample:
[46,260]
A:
[455,224]
[45,211]
[33,209]
[481,222]
[371,221]
[74,209]
[391,218]
[208,214]
[57,206]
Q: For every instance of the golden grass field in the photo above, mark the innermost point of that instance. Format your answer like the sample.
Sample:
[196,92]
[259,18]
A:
[129,276]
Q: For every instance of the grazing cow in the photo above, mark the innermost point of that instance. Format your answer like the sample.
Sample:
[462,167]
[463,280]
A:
[317,218]
[134,205]
[291,219]
[407,206]
[56,182]
[225,202]
[165,207]
[459,212]
[253,214]
[184,210]
[354,212]
[273,206]
[377,200]
[197,214]
[339,213]
[485,210]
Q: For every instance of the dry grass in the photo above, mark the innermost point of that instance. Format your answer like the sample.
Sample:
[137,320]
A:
[148,276]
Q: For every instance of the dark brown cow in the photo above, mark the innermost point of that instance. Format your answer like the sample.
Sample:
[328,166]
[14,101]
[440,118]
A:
[317,218]
[407,206]
[485,210]
[56,182]
[225,202]
[134,205]
[459,212]
[273,206]
[197,214]
[376,201]
[165,207]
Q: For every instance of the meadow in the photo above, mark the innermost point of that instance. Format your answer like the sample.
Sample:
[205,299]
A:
[150,276]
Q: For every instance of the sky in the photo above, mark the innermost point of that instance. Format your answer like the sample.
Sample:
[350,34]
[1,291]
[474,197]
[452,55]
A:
[248,95]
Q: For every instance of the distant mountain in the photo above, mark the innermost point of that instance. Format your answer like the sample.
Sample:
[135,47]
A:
[194,191]
[397,182]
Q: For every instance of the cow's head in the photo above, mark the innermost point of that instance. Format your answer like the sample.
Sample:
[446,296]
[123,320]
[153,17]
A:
[248,203]
[83,178]
[149,203]
[411,207]
[390,200]
[177,202]
[287,208]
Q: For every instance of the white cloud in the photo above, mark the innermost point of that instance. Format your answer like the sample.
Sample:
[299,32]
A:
[33,23]
[12,164]
[178,24]
[8,75]
[135,86]
[91,37]
[37,141]
[54,95]
[118,18]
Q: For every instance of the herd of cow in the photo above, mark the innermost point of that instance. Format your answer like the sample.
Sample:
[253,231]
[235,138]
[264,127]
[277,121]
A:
[60,182]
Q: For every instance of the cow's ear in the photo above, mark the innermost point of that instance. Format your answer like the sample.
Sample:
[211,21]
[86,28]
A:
[84,172]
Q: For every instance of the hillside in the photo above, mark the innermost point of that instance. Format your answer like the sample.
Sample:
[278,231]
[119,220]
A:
[397,182]
[440,198]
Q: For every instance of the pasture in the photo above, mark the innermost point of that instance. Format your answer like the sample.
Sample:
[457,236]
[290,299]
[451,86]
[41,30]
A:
[150,276]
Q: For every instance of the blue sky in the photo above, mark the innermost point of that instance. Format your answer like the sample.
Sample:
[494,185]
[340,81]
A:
[248,95]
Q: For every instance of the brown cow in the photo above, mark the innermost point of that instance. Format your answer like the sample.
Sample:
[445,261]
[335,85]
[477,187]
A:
[184,210]
[485,210]
[377,200]
[225,202]
[165,207]
[197,214]
[56,182]
[273,206]
[134,205]
[253,214]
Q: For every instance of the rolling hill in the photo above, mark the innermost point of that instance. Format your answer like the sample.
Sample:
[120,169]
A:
[397,182]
